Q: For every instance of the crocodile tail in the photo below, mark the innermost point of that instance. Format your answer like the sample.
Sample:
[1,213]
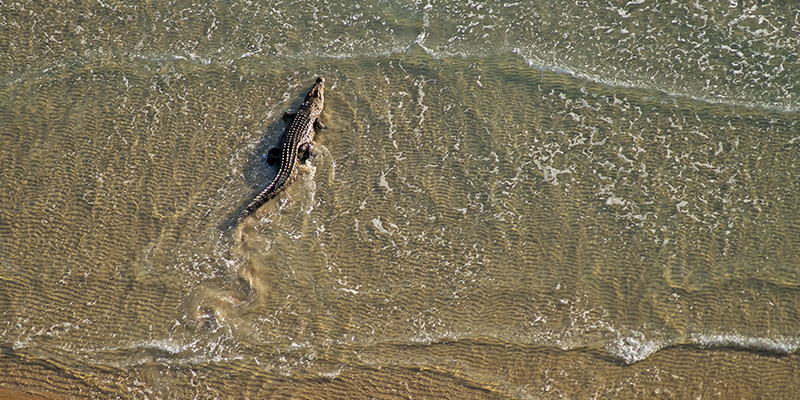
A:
[271,191]
[262,198]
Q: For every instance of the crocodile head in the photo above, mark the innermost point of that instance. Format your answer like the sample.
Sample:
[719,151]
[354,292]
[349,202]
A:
[316,99]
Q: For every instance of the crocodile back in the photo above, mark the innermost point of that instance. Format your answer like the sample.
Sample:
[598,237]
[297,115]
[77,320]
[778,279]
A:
[299,132]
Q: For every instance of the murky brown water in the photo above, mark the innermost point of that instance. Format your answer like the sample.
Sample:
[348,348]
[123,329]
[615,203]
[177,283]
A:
[471,227]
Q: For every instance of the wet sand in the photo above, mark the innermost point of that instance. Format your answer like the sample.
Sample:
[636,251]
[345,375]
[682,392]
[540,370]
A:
[675,373]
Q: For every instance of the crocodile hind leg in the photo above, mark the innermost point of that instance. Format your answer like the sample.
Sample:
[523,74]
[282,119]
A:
[274,156]
[305,153]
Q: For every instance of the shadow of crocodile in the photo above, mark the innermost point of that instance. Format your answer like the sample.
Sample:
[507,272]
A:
[256,170]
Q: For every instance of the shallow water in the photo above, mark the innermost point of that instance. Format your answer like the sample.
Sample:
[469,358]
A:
[508,201]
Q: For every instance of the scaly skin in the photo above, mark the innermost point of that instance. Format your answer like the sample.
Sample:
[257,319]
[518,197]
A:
[297,142]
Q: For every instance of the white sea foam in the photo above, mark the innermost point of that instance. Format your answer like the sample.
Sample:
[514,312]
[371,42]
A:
[779,344]
[636,346]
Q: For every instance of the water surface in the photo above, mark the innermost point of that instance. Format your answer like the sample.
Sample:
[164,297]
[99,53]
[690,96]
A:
[513,200]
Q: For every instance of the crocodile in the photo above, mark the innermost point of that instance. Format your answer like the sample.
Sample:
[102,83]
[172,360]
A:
[297,146]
